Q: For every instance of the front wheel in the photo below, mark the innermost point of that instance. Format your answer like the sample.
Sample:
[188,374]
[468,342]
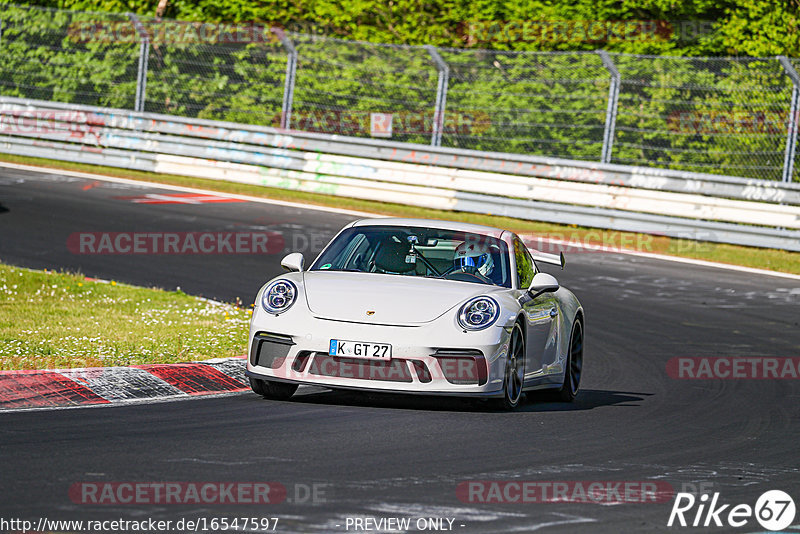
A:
[574,367]
[515,370]
[272,390]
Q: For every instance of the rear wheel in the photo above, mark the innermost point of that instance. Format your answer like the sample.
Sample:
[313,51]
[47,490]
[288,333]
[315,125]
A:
[515,370]
[574,367]
[272,390]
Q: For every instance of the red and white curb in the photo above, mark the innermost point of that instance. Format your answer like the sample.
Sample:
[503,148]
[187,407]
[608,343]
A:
[64,388]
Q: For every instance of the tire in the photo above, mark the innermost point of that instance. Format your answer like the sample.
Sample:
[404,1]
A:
[272,390]
[515,371]
[574,368]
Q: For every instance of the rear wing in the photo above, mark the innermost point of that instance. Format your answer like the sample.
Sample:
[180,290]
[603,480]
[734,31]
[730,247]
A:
[552,259]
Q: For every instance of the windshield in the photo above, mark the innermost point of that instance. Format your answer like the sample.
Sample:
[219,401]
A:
[412,251]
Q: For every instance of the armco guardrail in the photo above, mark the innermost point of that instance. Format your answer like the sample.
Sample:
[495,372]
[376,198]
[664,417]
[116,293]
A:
[694,206]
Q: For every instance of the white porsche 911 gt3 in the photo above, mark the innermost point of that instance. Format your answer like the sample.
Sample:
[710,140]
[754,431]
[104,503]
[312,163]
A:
[418,306]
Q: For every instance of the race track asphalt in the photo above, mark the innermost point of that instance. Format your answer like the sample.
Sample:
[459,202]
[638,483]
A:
[388,456]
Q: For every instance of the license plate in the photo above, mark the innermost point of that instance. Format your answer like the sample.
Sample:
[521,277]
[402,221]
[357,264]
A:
[359,349]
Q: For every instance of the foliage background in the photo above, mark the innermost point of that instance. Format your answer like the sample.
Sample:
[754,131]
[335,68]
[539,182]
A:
[740,27]
[680,106]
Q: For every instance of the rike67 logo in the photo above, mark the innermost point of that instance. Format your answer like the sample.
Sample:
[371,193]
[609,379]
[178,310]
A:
[774,510]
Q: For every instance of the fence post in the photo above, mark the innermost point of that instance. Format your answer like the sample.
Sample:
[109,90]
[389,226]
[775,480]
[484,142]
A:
[791,129]
[441,95]
[611,110]
[2,12]
[291,70]
[144,55]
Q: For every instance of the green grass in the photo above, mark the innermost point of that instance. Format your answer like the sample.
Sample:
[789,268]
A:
[52,320]
[776,260]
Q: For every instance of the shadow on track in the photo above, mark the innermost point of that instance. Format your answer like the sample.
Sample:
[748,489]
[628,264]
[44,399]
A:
[536,402]
[587,399]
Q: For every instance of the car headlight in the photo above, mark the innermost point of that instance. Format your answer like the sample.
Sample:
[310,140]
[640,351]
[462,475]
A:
[478,313]
[279,296]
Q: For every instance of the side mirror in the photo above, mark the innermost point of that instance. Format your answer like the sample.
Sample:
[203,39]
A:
[543,283]
[293,262]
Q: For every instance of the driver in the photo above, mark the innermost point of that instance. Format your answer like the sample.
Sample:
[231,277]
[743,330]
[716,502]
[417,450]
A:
[473,258]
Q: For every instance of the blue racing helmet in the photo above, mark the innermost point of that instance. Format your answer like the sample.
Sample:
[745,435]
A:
[473,255]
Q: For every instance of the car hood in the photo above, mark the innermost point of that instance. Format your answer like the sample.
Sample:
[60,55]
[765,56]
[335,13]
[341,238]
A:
[394,299]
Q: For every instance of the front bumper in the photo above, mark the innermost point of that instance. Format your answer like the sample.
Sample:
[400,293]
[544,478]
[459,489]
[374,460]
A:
[434,359]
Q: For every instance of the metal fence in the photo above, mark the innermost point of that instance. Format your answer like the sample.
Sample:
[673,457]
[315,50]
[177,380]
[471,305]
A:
[682,204]
[731,116]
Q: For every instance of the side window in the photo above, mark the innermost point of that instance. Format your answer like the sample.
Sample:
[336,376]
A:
[525,265]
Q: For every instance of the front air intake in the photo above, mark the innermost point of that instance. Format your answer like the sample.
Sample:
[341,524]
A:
[394,370]
[270,350]
[462,366]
